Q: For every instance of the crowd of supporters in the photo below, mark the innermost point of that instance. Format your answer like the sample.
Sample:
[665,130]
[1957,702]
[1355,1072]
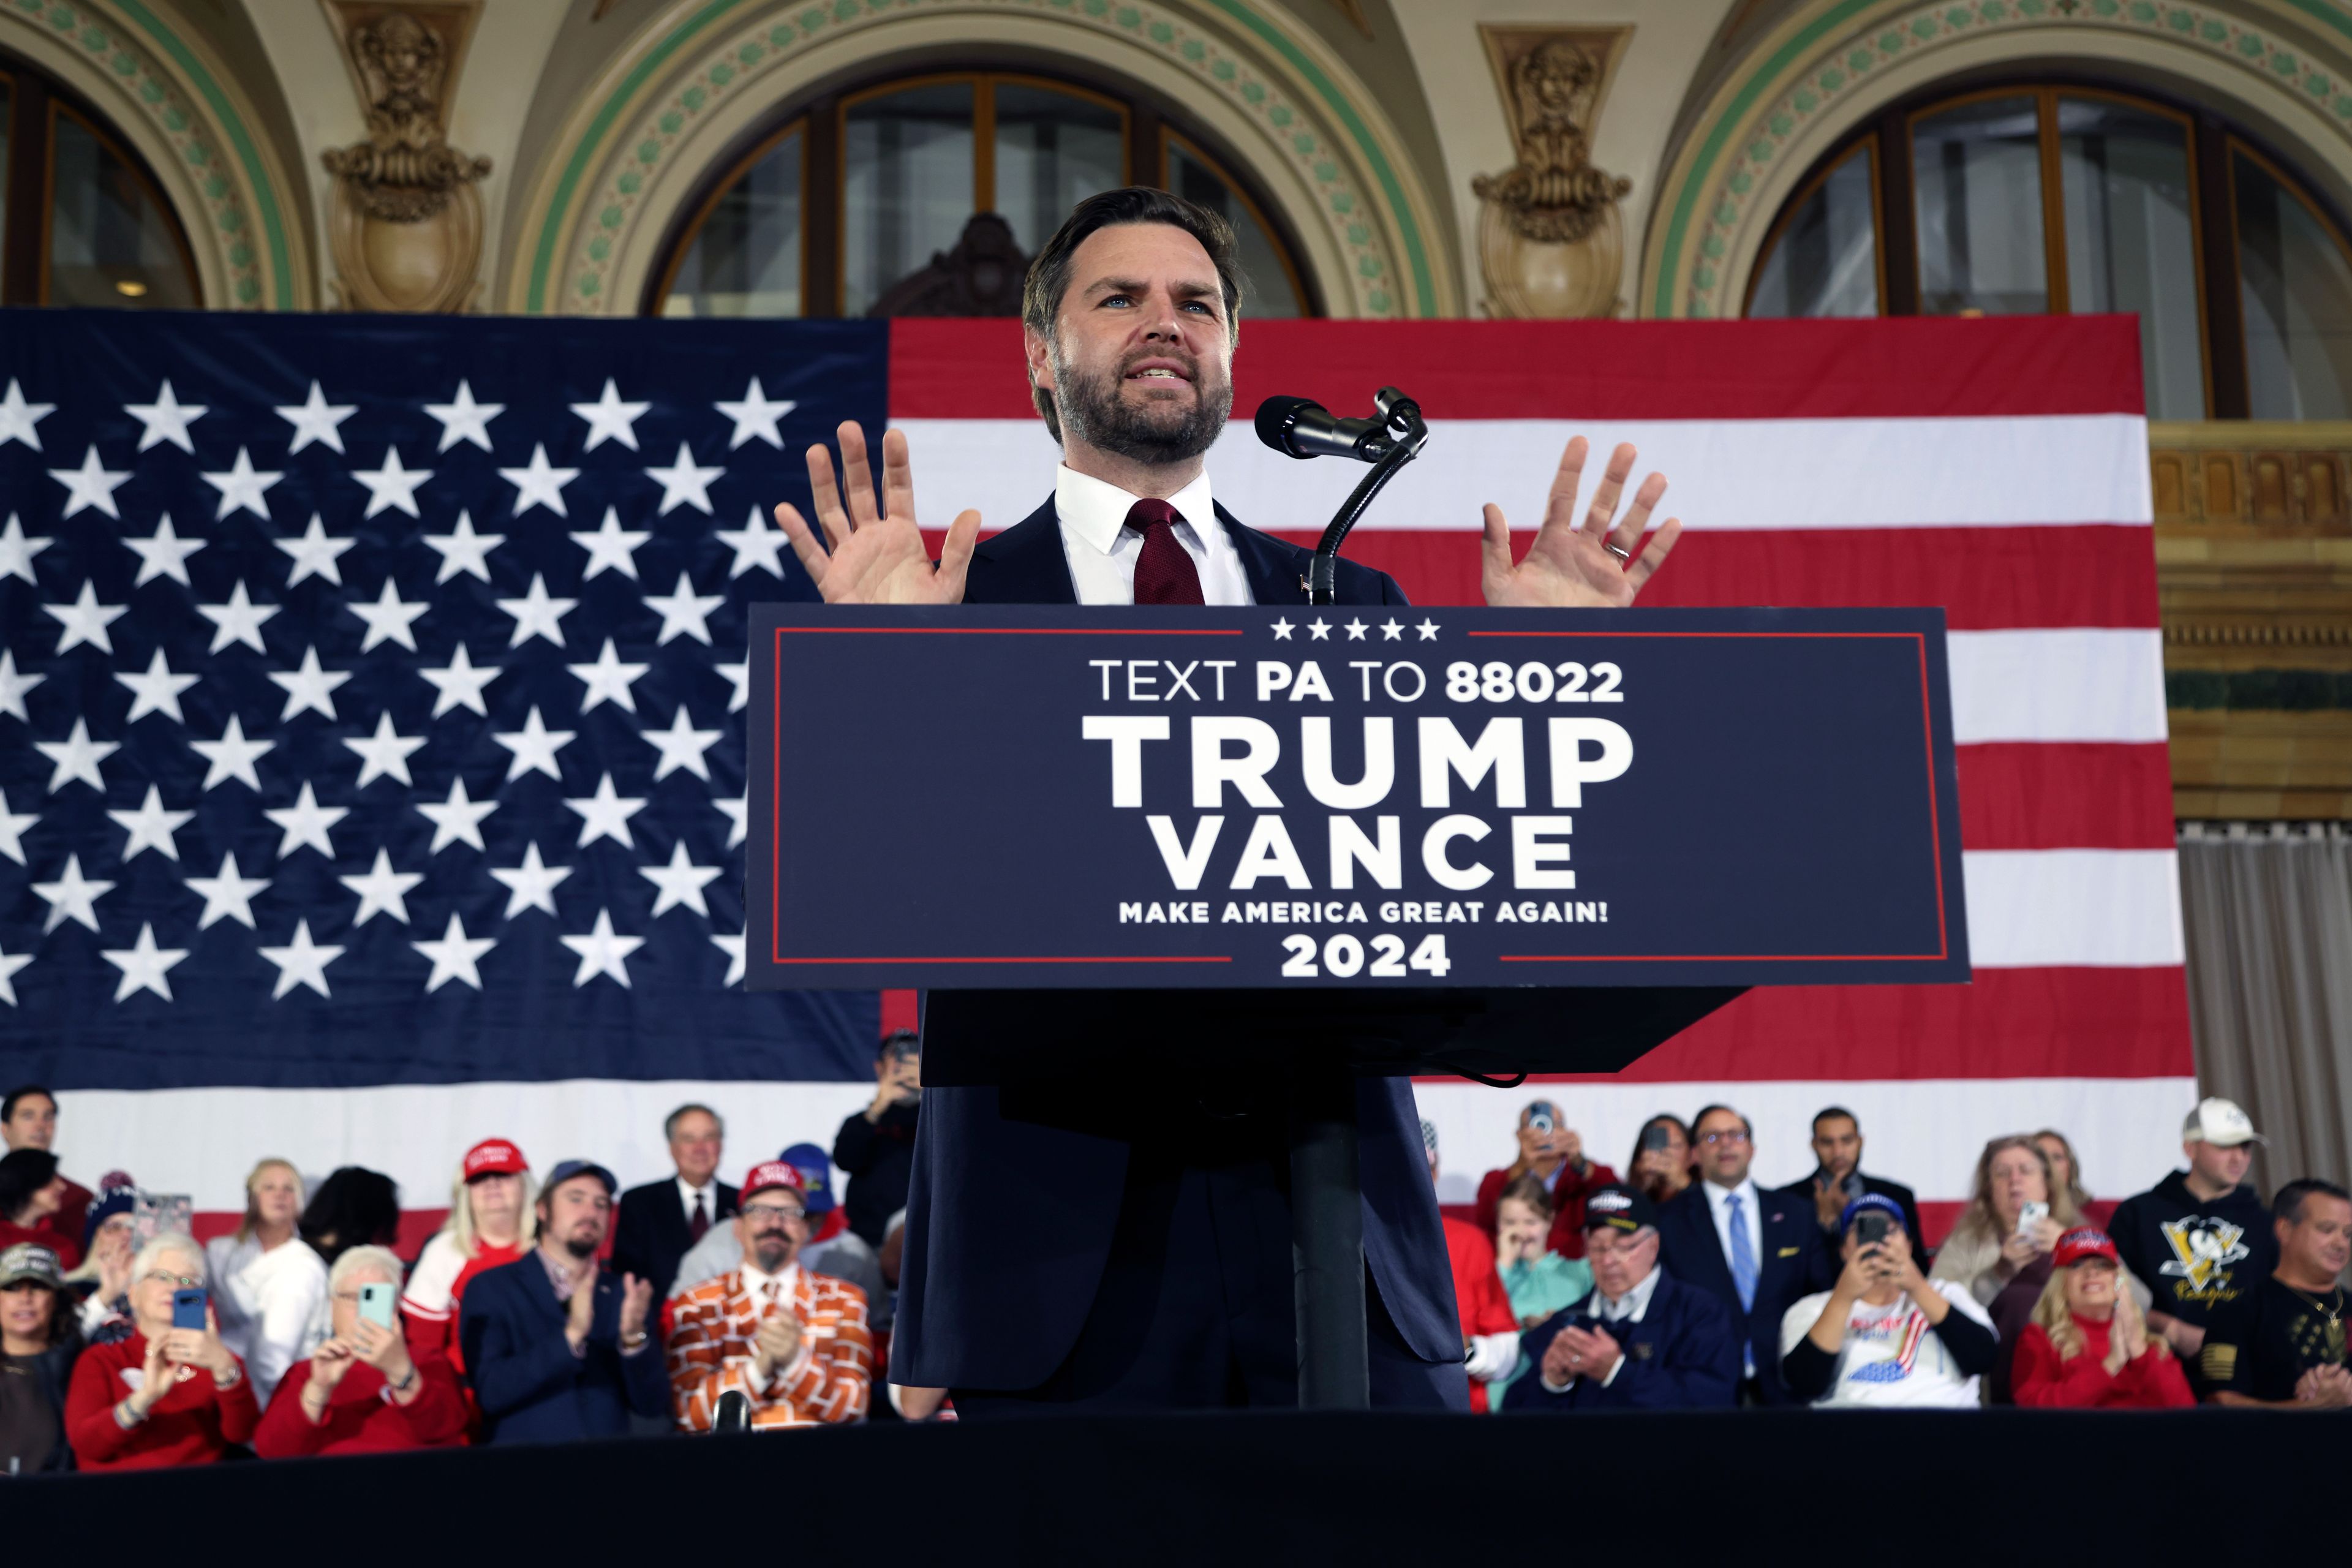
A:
[552,1307]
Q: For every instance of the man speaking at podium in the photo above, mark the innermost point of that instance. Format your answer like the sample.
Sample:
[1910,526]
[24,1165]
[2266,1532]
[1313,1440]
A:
[1122,1239]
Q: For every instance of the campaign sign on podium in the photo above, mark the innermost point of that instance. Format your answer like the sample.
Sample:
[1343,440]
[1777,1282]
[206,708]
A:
[1288,797]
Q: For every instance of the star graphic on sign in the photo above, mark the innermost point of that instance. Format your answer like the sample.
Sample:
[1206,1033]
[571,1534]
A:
[150,827]
[92,486]
[1391,631]
[539,484]
[383,892]
[1320,631]
[684,613]
[239,620]
[76,757]
[610,547]
[227,897]
[1428,630]
[390,618]
[9,965]
[739,676]
[157,691]
[73,896]
[143,964]
[460,682]
[12,830]
[17,417]
[681,882]
[163,553]
[316,554]
[608,679]
[738,812]
[86,620]
[242,487]
[682,746]
[732,946]
[233,756]
[683,484]
[305,823]
[385,754]
[455,956]
[1356,630]
[605,815]
[310,688]
[610,419]
[463,550]
[601,952]
[14,686]
[17,551]
[392,487]
[463,419]
[301,961]
[536,614]
[458,819]
[1282,628]
[532,884]
[316,419]
[534,747]
[756,416]
[756,546]
[166,419]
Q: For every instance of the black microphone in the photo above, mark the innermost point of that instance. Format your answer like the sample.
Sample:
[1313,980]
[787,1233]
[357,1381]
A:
[734,1414]
[1302,427]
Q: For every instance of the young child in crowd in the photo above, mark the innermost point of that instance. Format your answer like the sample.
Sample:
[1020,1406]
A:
[1538,1280]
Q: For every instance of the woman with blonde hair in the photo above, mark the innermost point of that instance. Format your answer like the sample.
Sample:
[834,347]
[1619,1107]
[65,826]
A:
[491,1222]
[1994,1242]
[2087,1345]
[269,1289]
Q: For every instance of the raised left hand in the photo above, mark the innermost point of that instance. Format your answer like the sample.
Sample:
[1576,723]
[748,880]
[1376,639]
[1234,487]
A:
[381,1349]
[1592,566]
[1592,1352]
[192,1347]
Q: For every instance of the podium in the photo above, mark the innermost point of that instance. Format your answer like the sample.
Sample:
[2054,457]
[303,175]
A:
[1295,846]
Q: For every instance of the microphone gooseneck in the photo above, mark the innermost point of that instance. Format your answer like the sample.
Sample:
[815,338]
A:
[1301,427]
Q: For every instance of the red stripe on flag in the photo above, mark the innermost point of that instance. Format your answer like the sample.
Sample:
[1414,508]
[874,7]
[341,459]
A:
[2053,795]
[2020,365]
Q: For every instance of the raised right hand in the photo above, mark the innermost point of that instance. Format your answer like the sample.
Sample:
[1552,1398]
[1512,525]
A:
[156,1376]
[581,1311]
[875,559]
[327,1364]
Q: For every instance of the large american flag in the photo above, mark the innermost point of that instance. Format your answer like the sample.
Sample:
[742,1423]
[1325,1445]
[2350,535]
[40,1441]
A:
[401,687]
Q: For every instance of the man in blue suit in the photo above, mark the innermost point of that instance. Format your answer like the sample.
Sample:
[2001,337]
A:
[1756,1252]
[1124,1241]
[1639,1339]
[556,1349]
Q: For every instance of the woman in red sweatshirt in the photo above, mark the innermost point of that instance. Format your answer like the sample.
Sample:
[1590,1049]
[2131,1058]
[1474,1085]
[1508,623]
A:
[2087,1344]
[361,1391]
[164,1396]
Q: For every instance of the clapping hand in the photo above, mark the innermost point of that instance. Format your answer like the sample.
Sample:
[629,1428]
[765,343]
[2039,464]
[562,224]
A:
[637,1301]
[876,557]
[580,1311]
[1591,1352]
[2328,1386]
[777,1341]
[1588,567]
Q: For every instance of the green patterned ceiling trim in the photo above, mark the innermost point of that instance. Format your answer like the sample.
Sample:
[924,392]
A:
[203,132]
[593,212]
[2258,691]
[1819,68]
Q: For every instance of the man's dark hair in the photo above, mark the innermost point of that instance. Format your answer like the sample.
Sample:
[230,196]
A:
[354,1206]
[24,1172]
[1049,273]
[8,1106]
[896,1041]
[1707,1111]
[1830,1112]
[2288,1205]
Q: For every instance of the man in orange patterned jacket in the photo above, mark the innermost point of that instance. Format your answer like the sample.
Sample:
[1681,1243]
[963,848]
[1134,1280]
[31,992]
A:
[792,1342]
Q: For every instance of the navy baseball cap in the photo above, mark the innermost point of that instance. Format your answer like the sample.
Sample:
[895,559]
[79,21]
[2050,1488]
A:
[567,1169]
[817,1176]
[1622,1208]
[1870,1201]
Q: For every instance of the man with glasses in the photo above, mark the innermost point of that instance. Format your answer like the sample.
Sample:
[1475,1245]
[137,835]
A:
[794,1343]
[660,1222]
[1754,1251]
[1642,1339]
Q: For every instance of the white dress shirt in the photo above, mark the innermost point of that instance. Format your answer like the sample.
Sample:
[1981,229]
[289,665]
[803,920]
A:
[707,1192]
[1626,1309]
[1102,550]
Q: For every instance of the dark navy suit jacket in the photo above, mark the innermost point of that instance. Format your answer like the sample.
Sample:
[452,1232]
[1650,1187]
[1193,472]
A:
[531,1389]
[1683,1356]
[1009,1221]
[650,1234]
[1791,1267]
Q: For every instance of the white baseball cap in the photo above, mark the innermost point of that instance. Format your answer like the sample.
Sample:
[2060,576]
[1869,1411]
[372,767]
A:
[2222,1124]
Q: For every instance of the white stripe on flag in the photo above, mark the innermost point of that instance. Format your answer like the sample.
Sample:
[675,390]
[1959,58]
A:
[2076,684]
[1726,473]
[2109,909]
[1925,1133]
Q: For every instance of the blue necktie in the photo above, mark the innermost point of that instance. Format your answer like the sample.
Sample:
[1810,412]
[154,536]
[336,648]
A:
[1743,1257]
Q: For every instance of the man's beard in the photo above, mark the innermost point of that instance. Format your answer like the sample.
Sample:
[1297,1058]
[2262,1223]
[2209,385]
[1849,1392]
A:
[772,1252]
[1092,410]
[582,1248]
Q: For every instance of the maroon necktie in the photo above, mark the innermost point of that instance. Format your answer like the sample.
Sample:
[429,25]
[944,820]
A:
[701,1223]
[1164,573]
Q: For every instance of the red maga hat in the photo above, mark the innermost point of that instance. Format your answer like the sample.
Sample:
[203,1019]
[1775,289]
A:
[495,1157]
[2077,1245]
[775,1174]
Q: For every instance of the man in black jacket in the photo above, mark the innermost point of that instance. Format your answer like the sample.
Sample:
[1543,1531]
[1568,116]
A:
[876,1146]
[660,1222]
[2200,1238]
[1838,1180]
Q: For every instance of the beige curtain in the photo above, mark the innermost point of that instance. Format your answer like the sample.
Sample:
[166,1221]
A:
[2269,924]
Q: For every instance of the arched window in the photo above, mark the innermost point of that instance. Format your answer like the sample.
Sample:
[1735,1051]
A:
[2040,198]
[927,195]
[82,221]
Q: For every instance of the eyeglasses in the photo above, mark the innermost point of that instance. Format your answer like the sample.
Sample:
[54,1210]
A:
[773,1211]
[179,1281]
[1712,1139]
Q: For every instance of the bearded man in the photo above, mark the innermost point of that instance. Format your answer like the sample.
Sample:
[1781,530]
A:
[1121,1238]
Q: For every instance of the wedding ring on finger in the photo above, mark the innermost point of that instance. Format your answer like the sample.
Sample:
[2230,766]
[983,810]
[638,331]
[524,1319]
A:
[1622,556]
